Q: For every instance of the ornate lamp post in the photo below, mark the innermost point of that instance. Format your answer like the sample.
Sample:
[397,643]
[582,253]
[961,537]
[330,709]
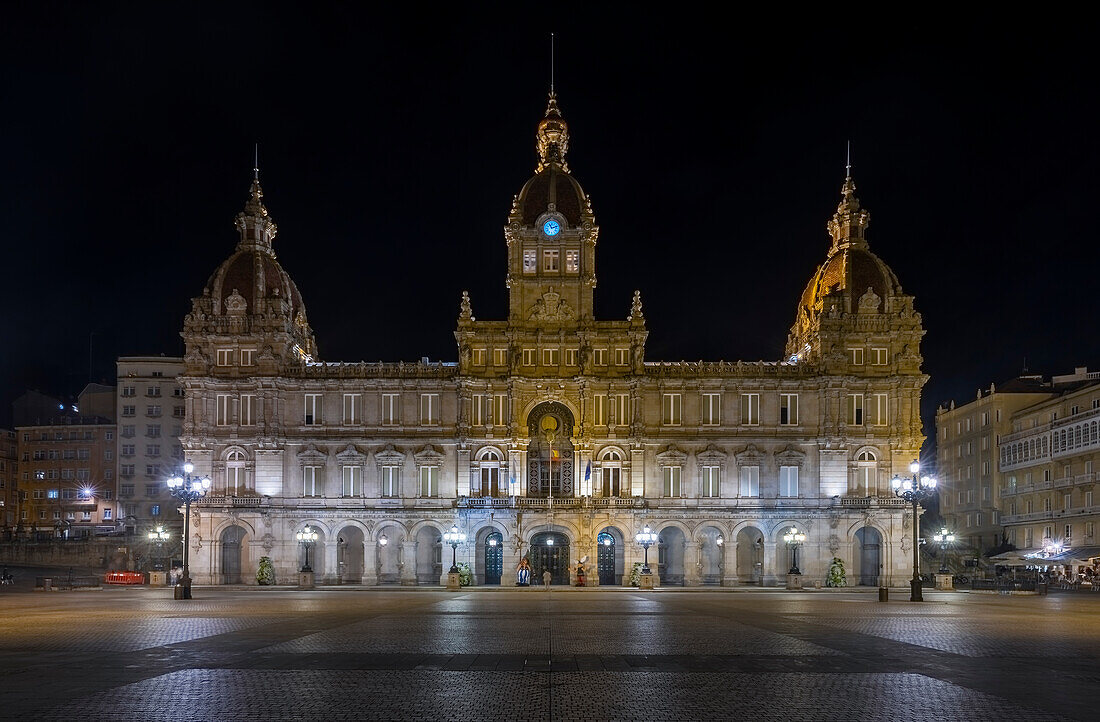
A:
[794,539]
[157,538]
[187,489]
[945,540]
[914,490]
[307,537]
[647,539]
[454,537]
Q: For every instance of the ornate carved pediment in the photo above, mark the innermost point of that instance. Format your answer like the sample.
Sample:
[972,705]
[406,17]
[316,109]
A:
[869,302]
[671,457]
[751,456]
[312,456]
[428,456]
[790,456]
[235,305]
[389,456]
[712,456]
[551,307]
[351,455]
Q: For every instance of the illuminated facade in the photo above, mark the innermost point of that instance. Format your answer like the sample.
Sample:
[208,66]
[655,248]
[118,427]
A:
[552,437]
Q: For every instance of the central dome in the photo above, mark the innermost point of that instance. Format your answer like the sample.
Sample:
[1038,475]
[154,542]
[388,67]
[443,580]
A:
[552,186]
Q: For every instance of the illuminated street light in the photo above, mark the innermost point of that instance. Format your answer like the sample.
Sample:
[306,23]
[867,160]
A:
[945,539]
[914,490]
[647,539]
[157,538]
[307,537]
[187,489]
[454,537]
[794,539]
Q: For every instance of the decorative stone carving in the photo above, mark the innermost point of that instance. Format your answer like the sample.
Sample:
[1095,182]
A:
[235,305]
[751,456]
[465,312]
[790,456]
[551,307]
[906,544]
[636,308]
[869,302]
[834,543]
[267,542]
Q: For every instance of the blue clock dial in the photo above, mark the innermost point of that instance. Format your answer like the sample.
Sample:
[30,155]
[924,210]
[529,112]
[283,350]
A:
[551,228]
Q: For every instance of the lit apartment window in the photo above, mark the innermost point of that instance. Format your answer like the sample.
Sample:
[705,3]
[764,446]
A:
[246,356]
[750,481]
[570,357]
[622,357]
[788,409]
[223,409]
[248,409]
[311,481]
[599,409]
[882,409]
[479,357]
[855,356]
[750,409]
[620,406]
[500,357]
[530,264]
[672,481]
[788,481]
[712,409]
[389,481]
[500,409]
[879,356]
[550,356]
[670,415]
[353,405]
[429,481]
[572,261]
[351,481]
[225,357]
[529,356]
[599,356]
[550,261]
[313,405]
[429,409]
[855,409]
[710,482]
[390,410]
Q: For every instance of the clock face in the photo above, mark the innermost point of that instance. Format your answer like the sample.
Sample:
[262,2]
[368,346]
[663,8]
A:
[551,228]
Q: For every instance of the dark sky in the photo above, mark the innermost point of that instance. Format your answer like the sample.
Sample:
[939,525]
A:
[391,148]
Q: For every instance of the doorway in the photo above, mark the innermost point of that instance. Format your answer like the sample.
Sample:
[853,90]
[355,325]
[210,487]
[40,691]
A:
[231,554]
[550,551]
[869,544]
[494,558]
[605,559]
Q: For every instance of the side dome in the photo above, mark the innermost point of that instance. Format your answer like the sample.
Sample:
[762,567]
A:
[847,276]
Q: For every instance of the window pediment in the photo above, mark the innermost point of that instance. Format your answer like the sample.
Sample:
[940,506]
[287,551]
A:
[671,456]
[791,456]
[312,456]
[351,456]
[711,456]
[751,456]
[428,456]
[389,456]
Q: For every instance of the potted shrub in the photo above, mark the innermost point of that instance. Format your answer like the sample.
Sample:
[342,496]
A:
[266,575]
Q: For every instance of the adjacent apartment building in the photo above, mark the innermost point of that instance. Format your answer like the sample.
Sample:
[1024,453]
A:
[150,416]
[9,483]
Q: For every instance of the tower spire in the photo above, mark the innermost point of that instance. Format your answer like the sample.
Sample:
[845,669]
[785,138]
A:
[254,223]
[551,64]
[552,138]
[849,223]
[256,162]
[848,164]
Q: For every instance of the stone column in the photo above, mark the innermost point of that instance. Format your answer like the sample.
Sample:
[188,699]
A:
[693,551]
[408,564]
[331,572]
[729,564]
[370,563]
[771,573]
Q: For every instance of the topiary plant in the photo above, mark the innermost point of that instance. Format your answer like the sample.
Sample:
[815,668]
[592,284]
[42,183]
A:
[266,574]
[836,574]
[636,574]
[465,575]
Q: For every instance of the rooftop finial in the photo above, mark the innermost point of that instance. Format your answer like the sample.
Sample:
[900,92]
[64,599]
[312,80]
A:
[256,162]
[848,166]
[551,63]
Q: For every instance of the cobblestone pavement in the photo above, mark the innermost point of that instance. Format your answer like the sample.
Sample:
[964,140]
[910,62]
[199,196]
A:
[283,654]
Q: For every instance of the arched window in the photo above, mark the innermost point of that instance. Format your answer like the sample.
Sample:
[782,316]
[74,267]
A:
[866,473]
[488,482]
[235,473]
[611,473]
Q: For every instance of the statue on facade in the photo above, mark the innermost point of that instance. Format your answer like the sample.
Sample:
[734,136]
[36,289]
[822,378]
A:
[523,573]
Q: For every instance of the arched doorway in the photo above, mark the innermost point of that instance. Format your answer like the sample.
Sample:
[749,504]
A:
[349,555]
[494,557]
[711,555]
[609,558]
[670,557]
[232,540]
[750,556]
[869,556]
[429,556]
[550,551]
[388,552]
[550,451]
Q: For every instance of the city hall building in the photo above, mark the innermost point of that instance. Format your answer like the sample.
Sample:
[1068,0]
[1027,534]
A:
[552,436]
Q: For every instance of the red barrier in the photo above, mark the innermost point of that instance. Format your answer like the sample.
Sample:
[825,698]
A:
[124,578]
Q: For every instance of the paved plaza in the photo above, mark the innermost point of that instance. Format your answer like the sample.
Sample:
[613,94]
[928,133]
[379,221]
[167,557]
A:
[530,654]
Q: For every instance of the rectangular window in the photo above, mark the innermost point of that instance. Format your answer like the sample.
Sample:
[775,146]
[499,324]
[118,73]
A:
[1090,529]
[429,481]
[1069,533]
[153,431]
[572,261]
[855,409]
[225,357]
[152,391]
[882,410]
[223,409]
[500,357]
[248,409]
[620,406]
[672,481]
[500,409]
[879,356]
[550,356]
[389,481]
[529,262]
[107,514]
[351,481]
[599,409]
[711,489]
[478,405]
[712,409]
[152,449]
[570,357]
[429,409]
[750,409]
[1088,499]
[1066,501]
[788,409]
[128,391]
[599,356]
[550,261]
[127,450]
[670,410]
[479,357]
[311,478]
[622,357]
[126,470]
[390,410]
[855,356]
[529,356]
[152,489]
[985,418]
[788,481]
[127,410]
[246,356]
[750,481]
[985,443]
[313,403]
[985,468]
[153,411]
[178,412]
[353,409]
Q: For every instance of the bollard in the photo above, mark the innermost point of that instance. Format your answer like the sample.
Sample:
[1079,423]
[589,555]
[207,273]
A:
[884,594]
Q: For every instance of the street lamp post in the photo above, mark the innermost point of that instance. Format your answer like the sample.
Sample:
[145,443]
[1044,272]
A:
[187,488]
[157,538]
[454,537]
[647,539]
[914,490]
[307,537]
[945,540]
[794,539]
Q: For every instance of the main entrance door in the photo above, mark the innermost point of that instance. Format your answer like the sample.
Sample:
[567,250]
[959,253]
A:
[231,554]
[494,558]
[870,551]
[605,558]
[550,452]
[550,550]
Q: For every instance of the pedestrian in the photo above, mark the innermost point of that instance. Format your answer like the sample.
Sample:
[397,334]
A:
[546,577]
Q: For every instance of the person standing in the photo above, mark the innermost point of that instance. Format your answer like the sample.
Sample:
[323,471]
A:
[546,577]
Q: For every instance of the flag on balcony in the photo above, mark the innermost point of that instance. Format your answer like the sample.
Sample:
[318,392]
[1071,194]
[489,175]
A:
[588,472]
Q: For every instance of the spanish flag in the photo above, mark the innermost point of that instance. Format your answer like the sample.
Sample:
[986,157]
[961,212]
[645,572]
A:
[555,455]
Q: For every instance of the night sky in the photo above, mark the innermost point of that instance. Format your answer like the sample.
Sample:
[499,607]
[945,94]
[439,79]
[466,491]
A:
[390,150]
